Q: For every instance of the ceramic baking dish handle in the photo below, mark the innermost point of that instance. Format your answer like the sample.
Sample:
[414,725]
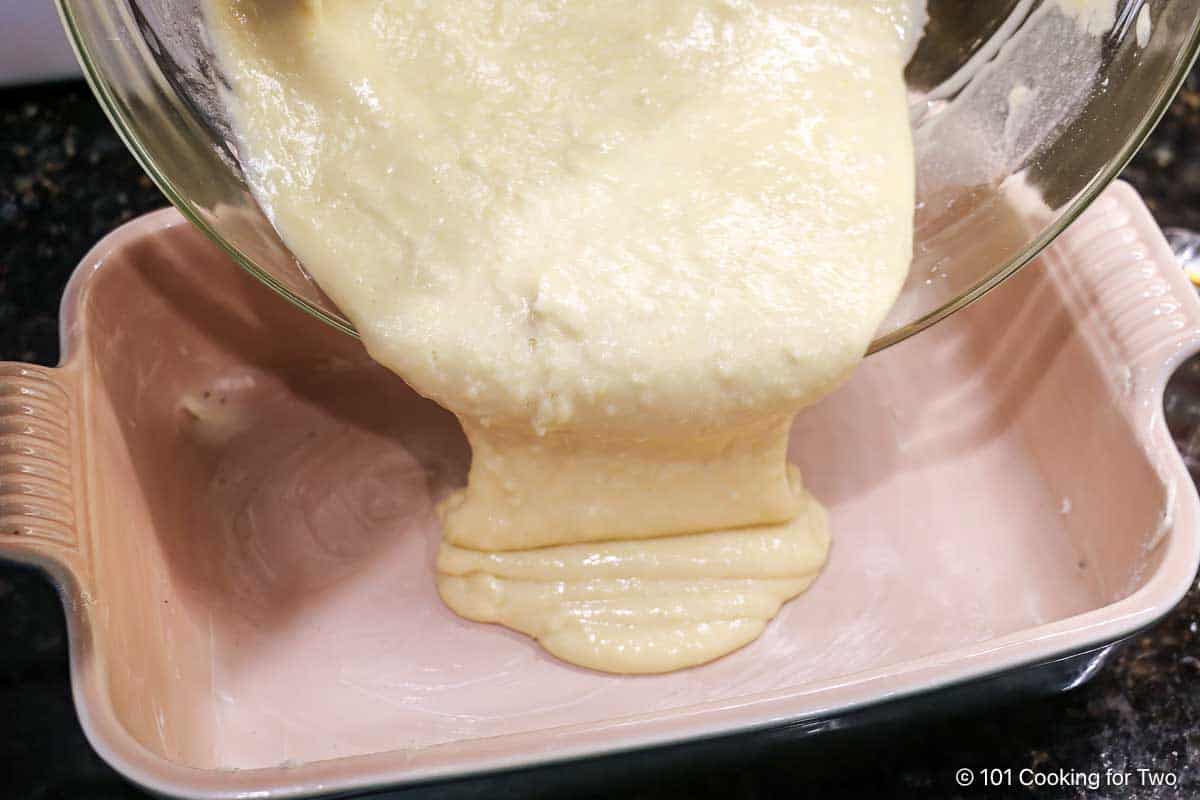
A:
[1135,295]
[37,467]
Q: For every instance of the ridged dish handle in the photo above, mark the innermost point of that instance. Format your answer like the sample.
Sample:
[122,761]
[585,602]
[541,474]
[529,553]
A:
[38,457]
[1140,312]
[1136,293]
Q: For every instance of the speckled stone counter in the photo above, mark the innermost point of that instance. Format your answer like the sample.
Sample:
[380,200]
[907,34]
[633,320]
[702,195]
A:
[66,180]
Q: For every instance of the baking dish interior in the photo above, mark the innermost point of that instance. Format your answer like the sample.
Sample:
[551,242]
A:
[261,504]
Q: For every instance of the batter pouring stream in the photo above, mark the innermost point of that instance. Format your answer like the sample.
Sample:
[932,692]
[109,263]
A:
[624,242]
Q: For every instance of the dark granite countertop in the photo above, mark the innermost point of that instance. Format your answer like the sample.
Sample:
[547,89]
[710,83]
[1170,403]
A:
[66,180]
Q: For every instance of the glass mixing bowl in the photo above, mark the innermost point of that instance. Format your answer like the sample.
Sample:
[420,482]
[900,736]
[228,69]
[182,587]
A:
[1022,111]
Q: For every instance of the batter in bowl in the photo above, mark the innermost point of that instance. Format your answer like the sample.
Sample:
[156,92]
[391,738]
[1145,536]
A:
[624,242]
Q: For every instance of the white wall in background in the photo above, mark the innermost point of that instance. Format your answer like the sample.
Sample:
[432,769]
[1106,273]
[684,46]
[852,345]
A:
[33,46]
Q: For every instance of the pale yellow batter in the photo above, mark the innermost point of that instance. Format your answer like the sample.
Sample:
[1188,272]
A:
[624,241]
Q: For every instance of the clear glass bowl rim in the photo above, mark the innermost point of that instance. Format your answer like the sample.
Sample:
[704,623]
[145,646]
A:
[1158,107]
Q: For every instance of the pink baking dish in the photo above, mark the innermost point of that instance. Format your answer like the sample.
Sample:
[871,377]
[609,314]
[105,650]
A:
[238,508]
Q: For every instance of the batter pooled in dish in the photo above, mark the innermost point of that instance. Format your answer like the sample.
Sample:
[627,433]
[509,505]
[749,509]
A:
[624,242]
